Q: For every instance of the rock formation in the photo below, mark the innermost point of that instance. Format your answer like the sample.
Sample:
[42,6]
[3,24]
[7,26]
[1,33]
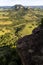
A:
[30,48]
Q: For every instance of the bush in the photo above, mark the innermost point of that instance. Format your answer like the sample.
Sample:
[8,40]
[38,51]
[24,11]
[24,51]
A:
[42,22]
[9,56]
[30,26]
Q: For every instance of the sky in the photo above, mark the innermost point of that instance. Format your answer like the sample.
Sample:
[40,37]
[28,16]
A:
[22,2]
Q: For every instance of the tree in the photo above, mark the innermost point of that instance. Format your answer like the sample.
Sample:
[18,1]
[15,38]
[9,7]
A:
[41,22]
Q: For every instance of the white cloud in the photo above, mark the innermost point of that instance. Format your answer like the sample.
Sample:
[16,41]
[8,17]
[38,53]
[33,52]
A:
[23,2]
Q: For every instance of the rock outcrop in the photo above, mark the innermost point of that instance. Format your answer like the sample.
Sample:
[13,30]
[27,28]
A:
[30,48]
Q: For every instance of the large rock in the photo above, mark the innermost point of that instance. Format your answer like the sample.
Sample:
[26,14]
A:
[30,48]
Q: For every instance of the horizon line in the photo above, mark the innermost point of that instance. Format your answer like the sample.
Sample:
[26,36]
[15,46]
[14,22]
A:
[21,4]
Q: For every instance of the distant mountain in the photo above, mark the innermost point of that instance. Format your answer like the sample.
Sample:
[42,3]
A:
[17,7]
[5,7]
[20,6]
[36,7]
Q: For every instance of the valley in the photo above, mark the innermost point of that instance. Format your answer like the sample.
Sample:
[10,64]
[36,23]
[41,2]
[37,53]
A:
[15,23]
[19,22]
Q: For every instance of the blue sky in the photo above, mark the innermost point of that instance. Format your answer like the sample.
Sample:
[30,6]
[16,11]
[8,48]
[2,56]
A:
[23,2]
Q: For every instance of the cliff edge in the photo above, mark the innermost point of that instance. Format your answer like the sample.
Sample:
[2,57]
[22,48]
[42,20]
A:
[30,47]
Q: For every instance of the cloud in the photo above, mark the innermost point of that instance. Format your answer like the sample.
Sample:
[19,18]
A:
[23,2]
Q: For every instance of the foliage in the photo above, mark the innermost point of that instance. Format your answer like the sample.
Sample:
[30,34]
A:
[13,25]
[9,56]
[42,22]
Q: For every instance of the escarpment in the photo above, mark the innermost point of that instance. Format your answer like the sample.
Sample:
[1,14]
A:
[30,48]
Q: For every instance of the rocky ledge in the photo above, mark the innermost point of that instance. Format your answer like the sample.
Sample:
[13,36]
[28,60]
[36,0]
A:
[30,48]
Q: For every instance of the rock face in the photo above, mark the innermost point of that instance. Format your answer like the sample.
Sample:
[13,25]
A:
[30,48]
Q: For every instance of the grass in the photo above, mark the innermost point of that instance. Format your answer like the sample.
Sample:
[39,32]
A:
[6,20]
[1,12]
[5,23]
[5,31]
[3,17]
[28,29]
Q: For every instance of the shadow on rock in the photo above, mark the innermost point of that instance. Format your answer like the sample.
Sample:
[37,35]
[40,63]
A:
[30,47]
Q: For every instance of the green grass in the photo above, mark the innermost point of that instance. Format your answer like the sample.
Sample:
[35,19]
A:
[28,29]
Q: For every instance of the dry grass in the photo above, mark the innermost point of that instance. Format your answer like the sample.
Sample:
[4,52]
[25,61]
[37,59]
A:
[3,13]
[4,17]
[5,23]
[4,30]
[29,17]
[28,29]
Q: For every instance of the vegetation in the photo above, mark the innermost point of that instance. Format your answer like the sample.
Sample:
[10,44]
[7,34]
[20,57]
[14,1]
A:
[15,24]
[41,22]
[9,56]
